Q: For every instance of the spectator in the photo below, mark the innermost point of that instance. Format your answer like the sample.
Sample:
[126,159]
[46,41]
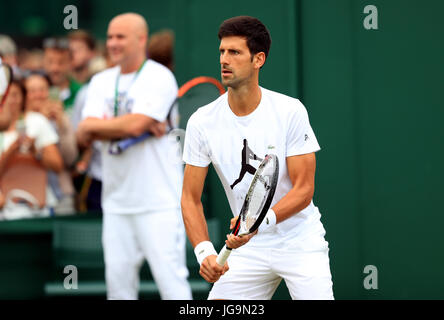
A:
[5,78]
[38,99]
[8,52]
[82,46]
[30,61]
[161,48]
[39,139]
[57,64]
[124,101]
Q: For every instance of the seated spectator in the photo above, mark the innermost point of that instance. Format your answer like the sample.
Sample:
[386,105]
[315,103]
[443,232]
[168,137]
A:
[161,48]
[5,114]
[38,99]
[82,46]
[30,136]
[30,61]
[9,54]
[57,64]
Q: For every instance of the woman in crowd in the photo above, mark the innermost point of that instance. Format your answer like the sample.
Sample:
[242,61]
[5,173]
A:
[38,99]
[29,132]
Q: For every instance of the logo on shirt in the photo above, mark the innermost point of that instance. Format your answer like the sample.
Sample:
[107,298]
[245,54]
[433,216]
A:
[306,137]
[247,155]
[124,104]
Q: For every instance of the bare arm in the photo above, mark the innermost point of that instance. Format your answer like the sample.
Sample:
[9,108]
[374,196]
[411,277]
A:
[6,155]
[5,117]
[194,219]
[51,158]
[129,125]
[192,209]
[68,143]
[301,170]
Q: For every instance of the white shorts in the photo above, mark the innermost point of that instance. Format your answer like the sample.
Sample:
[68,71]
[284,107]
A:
[159,237]
[255,273]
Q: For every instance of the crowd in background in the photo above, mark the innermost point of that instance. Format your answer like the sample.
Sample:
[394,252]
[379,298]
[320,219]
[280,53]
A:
[43,170]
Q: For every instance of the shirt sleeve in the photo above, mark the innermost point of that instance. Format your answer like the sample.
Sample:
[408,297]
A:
[156,98]
[300,136]
[196,151]
[39,128]
[94,103]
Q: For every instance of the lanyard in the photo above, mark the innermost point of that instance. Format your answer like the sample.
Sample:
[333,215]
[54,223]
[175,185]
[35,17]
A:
[116,92]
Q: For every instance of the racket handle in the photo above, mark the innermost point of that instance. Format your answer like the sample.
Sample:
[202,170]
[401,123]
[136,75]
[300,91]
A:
[124,144]
[223,256]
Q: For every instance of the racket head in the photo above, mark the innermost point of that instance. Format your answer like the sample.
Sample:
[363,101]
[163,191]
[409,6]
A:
[5,80]
[193,94]
[259,196]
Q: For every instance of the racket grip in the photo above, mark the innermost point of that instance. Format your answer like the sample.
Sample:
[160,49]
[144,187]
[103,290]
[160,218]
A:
[124,144]
[223,256]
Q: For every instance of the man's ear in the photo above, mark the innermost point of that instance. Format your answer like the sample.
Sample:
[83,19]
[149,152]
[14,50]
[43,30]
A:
[259,60]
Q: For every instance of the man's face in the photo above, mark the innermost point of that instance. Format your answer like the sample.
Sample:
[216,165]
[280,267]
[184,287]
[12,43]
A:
[122,42]
[80,53]
[57,64]
[237,63]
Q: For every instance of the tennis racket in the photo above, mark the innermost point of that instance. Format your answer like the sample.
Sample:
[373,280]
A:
[257,202]
[5,81]
[195,92]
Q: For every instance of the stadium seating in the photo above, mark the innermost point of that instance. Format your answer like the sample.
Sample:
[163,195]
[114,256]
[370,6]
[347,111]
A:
[78,243]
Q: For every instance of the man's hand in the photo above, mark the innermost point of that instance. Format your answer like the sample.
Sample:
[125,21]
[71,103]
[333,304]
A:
[235,242]
[210,270]
[158,129]
[83,134]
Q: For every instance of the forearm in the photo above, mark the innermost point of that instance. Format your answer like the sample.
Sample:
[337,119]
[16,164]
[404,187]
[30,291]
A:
[297,199]
[130,125]
[194,221]
[301,170]
[67,144]
[51,158]
[5,158]
[5,118]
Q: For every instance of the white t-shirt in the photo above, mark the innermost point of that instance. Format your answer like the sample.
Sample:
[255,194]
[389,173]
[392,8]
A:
[143,178]
[38,127]
[236,145]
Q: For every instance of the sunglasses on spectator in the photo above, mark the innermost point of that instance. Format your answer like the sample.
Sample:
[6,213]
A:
[56,43]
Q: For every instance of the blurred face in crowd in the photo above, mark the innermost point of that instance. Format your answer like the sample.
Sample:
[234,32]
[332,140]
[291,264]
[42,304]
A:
[126,38]
[57,64]
[37,92]
[81,54]
[15,100]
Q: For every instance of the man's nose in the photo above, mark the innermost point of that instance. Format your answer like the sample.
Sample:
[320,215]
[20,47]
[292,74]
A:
[224,59]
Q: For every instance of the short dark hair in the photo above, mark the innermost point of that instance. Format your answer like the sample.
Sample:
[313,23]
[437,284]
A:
[22,89]
[41,74]
[161,47]
[84,36]
[257,35]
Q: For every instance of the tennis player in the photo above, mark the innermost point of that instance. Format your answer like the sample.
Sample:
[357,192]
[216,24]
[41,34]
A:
[291,246]
[141,188]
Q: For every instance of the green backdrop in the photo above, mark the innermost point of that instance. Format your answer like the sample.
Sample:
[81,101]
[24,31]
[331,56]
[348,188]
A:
[375,102]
